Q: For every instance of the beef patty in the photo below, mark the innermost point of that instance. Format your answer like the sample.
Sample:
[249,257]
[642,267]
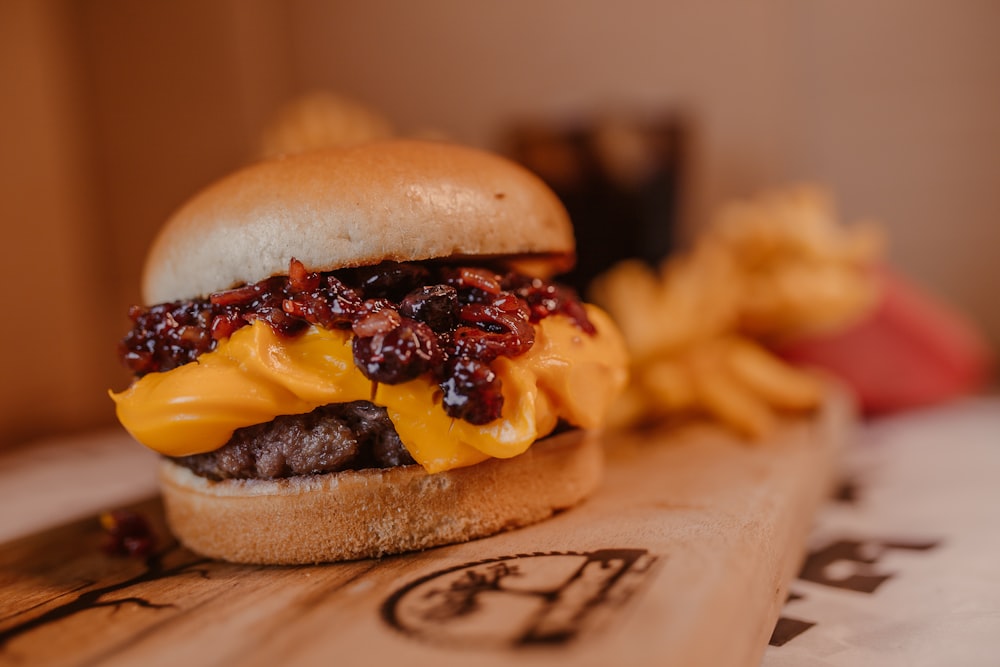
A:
[331,438]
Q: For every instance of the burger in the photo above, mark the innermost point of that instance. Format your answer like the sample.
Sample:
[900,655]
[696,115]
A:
[361,351]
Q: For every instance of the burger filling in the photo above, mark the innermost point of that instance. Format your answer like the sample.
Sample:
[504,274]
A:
[317,372]
[331,438]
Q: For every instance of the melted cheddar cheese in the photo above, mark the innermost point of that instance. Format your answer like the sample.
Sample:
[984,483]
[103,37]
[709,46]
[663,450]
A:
[255,375]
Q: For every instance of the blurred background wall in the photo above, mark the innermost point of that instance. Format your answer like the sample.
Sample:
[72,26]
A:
[112,112]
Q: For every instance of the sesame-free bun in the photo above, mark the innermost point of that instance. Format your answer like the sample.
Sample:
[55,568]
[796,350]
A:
[399,200]
[370,513]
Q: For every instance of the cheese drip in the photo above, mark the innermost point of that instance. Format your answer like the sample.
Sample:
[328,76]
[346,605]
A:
[256,375]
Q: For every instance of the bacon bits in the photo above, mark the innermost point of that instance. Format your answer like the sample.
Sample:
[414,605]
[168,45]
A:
[126,533]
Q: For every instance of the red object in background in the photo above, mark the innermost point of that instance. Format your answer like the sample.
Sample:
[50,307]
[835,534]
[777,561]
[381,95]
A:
[912,351]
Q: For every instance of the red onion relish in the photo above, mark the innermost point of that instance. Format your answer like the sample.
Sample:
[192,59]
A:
[407,319]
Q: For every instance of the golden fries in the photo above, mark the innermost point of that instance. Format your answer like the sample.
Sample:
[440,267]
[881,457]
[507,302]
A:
[801,271]
[780,385]
[729,378]
[696,326]
[691,299]
[721,394]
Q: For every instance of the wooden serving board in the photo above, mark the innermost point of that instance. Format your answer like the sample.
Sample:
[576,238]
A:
[683,557]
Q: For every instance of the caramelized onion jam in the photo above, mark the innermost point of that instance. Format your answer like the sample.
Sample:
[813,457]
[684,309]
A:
[407,319]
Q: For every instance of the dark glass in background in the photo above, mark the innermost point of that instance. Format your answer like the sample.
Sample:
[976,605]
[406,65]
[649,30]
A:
[620,180]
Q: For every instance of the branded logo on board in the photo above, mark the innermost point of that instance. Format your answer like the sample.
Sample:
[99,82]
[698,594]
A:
[517,601]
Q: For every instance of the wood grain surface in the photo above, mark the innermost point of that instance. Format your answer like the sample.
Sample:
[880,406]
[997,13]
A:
[683,557]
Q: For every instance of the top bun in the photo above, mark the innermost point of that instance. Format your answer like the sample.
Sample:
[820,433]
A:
[397,200]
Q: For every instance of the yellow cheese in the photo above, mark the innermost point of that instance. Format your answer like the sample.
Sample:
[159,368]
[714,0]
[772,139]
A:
[256,375]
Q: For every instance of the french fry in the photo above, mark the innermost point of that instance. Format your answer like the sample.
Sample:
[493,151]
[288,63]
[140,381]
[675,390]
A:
[632,295]
[668,384]
[692,299]
[633,406]
[731,379]
[778,383]
[767,268]
[720,395]
[801,270]
[799,298]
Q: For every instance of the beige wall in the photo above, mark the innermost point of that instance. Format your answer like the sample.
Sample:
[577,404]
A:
[471,68]
[113,111]
[51,325]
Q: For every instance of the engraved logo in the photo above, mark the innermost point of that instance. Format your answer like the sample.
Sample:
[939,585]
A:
[518,601]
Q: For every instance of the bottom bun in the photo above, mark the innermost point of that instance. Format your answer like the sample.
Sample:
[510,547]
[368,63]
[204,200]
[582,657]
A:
[369,513]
